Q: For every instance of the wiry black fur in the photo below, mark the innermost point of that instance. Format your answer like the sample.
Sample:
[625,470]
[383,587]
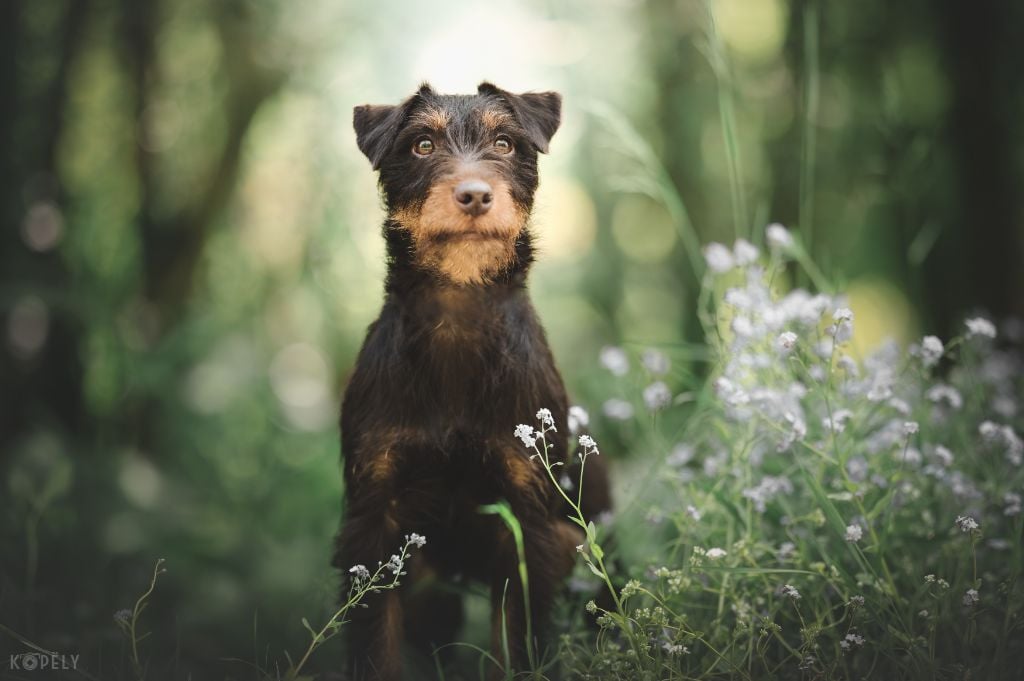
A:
[445,374]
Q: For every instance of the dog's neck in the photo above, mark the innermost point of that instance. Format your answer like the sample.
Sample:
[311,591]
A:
[409,278]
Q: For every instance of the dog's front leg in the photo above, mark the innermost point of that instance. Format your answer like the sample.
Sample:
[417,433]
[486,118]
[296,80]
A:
[548,550]
[374,632]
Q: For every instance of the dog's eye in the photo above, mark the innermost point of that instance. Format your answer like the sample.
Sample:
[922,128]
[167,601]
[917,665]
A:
[423,147]
[503,144]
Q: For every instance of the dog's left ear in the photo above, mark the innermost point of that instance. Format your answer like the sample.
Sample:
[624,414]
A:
[540,113]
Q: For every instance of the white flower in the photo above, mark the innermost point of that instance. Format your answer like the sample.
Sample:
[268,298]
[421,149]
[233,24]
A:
[417,540]
[718,257]
[910,428]
[588,444]
[526,434]
[680,455]
[657,396]
[778,237]
[786,342]
[615,360]
[692,511]
[931,351]
[742,326]
[979,326]
[655,361]
[745,252]
[854,533]
[790,592]
[944,456]
[578,419]
[970,598]
[619,410]
[837,423]
[675,648]
[716,553]
[546,419]
[966,523]
[1012,500]
[787,550]
[394,564]
[989,430]
[851,641]
[842,328]
[900,405]
[941,392]
[359,573]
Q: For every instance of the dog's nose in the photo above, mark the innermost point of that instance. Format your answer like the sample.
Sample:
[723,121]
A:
[474,197]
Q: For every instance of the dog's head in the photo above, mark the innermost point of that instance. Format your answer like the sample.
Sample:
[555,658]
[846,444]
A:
[459,173]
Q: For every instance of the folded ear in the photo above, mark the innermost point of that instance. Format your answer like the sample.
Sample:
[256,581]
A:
[540,113]
[377,125]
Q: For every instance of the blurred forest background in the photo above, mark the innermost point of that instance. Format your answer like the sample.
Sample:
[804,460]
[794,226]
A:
[191,251]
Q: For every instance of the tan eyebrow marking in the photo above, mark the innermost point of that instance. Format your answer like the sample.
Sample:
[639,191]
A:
[433,118]
[492,118]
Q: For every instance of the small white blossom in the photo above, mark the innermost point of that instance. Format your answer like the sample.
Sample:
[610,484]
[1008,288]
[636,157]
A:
[970,598]
[944,393]
[588,444]
[1012,502]
[854,533]
[786,342]
[745,252]
[979,326]
[851,641]
[619,410]
[578,419]
[719,258]
[910,428]
[931,351]
[680,455]
[842,327]
[944,456]
[656,362]
[657,396]
[675,648]
[966,523]
[394,564]
[790,592]
[546,419]
[526,434]
[359,573]
[837,423]
[778,237]
[615,360]
[417,540]
[692,511]
[716,553]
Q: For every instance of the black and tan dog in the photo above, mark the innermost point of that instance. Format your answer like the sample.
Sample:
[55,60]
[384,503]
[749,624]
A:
[455,361]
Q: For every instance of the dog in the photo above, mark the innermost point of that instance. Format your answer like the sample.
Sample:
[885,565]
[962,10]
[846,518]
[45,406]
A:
[456,359]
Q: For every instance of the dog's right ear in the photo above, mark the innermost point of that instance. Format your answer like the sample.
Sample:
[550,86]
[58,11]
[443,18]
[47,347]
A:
[377,125]
[376,128]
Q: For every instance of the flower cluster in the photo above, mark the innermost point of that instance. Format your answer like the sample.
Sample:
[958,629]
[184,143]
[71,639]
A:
[830,466]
